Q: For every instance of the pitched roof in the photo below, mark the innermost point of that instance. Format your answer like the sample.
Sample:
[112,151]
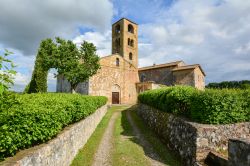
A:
[188,67]
[160,66]
[125,19]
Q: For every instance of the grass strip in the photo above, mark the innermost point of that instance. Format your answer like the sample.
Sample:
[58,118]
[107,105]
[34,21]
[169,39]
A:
[166,155]
[126,150]
[86,155]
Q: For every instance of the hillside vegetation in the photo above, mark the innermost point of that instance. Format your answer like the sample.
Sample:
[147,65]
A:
[244,84]
[211,106]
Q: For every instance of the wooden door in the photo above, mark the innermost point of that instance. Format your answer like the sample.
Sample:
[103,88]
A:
[115,98]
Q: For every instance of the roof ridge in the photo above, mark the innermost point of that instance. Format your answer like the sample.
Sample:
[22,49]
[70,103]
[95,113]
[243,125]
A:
[161,65]
[189,67]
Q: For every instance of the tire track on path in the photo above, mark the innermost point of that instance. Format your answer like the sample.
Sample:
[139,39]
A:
[102,156]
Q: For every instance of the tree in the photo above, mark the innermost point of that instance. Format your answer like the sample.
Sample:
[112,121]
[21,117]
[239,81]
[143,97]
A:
[7,72]
[44,61]
[76,65]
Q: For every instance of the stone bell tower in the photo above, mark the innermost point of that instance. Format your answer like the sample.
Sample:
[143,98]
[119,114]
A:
[125,40]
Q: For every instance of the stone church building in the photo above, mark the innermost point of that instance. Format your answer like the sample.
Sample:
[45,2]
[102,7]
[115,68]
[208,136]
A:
[121,80]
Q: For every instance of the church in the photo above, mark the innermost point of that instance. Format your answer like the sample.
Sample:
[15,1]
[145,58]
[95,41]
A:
[120,79]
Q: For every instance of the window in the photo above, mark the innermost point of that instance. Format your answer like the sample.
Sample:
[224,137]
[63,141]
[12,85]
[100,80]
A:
[117,62]
[130,42]
[117,29]
[130,28]
[130,56]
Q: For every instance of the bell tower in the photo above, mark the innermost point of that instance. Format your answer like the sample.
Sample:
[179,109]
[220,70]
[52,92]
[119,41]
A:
[125,40]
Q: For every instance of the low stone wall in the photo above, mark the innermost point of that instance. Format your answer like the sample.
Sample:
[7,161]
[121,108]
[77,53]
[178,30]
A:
[239,152]
[62,149]
[192,141]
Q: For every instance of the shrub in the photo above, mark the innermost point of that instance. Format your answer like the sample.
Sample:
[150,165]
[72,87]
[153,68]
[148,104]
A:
[220,106]
[39,117]
[210,106]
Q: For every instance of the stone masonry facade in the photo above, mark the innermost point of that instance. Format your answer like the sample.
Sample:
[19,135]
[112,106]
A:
[120,79]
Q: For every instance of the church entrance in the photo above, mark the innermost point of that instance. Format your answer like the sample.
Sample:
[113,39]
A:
[115,98]
[116,91]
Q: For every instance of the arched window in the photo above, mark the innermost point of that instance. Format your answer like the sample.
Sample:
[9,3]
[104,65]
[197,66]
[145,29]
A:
[130,42]
[117,61]
[117,28]
[130,56]
[130,28]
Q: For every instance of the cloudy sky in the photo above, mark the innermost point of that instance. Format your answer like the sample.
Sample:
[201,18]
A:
[213,33]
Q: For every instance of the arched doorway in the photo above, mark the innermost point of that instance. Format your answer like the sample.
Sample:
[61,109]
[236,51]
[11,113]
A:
[116,94]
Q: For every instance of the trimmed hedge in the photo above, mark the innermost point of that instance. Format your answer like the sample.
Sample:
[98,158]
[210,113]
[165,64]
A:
[210,106]
[39,117]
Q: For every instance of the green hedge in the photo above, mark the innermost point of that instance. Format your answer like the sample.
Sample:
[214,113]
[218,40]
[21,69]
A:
[39,117]
[210,106]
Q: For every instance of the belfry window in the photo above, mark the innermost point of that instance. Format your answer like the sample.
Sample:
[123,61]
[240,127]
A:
[130,28]
[130,42]
[130,56]
[117,29]
[117,62]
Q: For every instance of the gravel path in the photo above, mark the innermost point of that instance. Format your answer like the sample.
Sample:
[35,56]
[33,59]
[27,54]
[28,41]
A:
[150,154]
[102,156]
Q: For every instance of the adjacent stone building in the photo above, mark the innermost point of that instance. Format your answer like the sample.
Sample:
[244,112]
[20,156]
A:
[121,80]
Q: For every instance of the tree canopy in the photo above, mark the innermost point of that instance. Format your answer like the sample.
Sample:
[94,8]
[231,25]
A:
[244,84]
[75,64]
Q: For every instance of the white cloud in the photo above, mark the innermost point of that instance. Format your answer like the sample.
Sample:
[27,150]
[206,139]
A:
[24,24]
[20,82]
[213,33]
[102,41]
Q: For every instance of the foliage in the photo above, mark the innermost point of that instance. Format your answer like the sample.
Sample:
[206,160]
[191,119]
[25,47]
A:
[244,84]
[40,117]
[210,106]
[76,65]
[44,56]
[7,74]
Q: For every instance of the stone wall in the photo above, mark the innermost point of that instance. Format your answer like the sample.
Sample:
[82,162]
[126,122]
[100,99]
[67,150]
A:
[192,141]
[62,149]
[144,86]
[63,85]
[239,152]
[184,77]
[158,75]
[199,79]
[122,36]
